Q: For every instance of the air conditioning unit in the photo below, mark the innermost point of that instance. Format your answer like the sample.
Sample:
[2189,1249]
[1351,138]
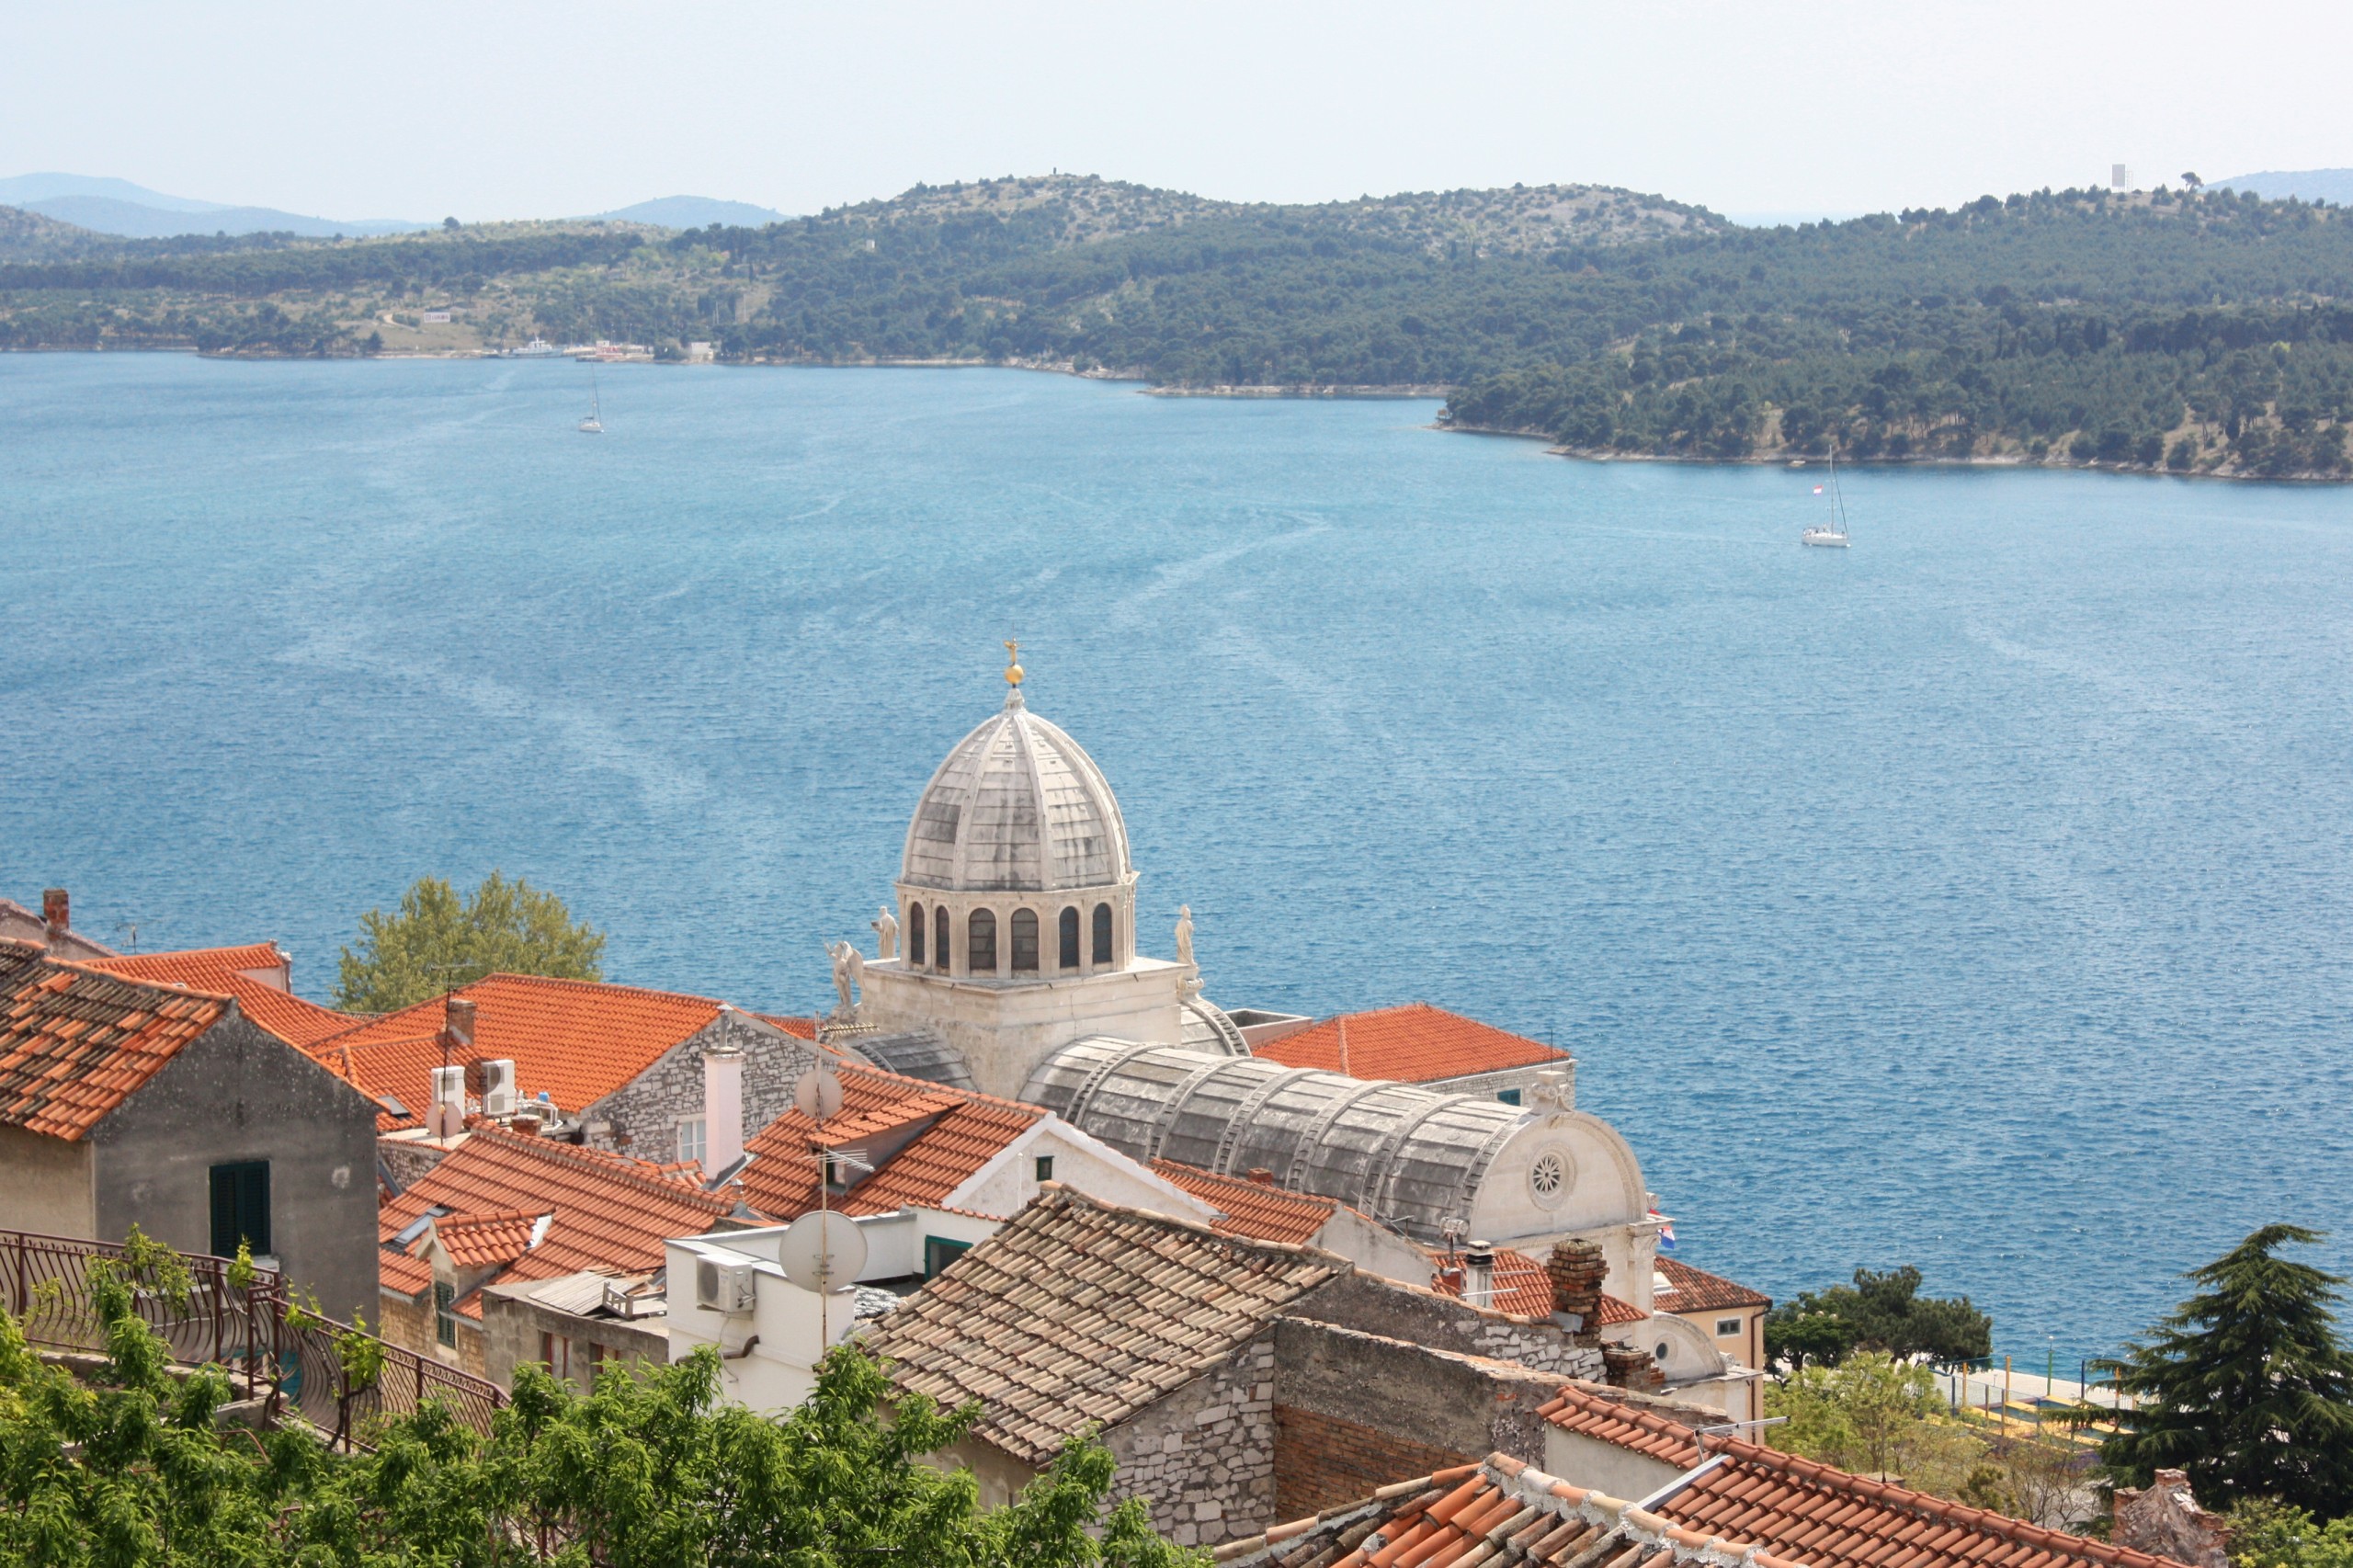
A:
[499,1088]
[724,1287]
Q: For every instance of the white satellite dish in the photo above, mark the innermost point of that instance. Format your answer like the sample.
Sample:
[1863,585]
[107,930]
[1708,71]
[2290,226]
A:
[822,1252]
[818,1094]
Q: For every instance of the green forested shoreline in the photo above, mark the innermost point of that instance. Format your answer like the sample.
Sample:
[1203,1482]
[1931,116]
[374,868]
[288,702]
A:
[2190,331]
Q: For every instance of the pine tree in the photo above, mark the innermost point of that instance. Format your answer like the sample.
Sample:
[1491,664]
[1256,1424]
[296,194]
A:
[2245,1386]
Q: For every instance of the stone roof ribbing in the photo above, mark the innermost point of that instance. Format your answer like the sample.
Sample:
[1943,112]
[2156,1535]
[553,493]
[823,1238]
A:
[1078,1314]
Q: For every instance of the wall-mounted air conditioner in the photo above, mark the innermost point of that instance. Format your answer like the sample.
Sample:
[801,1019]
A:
[724,1287]
[499,1088]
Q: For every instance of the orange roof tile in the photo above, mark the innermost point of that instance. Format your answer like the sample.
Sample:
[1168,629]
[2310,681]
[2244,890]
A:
[1502,1511]
[77,1042]
[1522,1289]
[228,971]
[1263,1213]
[393,1071]
[1824,1516]
[969,1130]
[481,1240]
[1696,1290]
[1412,1044]
[577,1040]
[798,1028]
[401,1274]
[612,1214]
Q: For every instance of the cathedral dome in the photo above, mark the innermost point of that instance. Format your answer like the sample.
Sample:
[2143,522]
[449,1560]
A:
[1017,807]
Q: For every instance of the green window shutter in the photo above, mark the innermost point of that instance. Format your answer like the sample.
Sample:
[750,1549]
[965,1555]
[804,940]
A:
[241,1208]
[938,1251]
[225,1211]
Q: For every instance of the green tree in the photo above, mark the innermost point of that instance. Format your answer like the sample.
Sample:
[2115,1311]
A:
[1883,1311]
[2246,1385]
[2269,1534]
[439,940]
[1875,1413]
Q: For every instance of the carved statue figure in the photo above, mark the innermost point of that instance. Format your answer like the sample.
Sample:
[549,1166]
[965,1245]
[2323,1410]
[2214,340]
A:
[886,933]
[849,976]
[1185,934]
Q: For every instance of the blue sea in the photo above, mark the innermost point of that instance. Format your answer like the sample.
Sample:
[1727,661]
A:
[1981,897]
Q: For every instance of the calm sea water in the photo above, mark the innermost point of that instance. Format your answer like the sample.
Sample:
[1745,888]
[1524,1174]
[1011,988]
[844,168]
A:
[1977,897]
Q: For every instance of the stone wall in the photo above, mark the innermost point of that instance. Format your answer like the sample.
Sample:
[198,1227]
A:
[1322,1461]
[1203,1458]
[642,1117]
[1424,1317]
[409,1159]
[512,1326]
[2165,1518]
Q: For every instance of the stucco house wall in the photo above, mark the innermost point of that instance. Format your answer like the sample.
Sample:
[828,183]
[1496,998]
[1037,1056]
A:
[238,1092]
[46,1185]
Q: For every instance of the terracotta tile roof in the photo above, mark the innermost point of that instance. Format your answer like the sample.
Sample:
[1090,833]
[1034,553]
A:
[965,1131]
[226,970]
[1079,1314]
[482,1240]
[1247,1208]
[1502,1511]
[1522,1289]
[400,1070]
[1821,1515]
[612,1214]
[401,1274]
[1614,1310]
[1696,1290]
[1412,1044]
[1592,1413]
[76,1042]
[798,1028]
[576,1039]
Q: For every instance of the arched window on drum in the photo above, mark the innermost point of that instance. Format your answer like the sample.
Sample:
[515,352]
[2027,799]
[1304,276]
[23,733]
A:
[1025,941]
[1070,937]
[980,942]
[940,950]
[915,936]
[1103,936]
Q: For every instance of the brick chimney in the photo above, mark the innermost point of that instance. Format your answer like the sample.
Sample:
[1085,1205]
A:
[1262,1176]
[56,913]
[1577,1269]
[458,1018]
[1632,1367]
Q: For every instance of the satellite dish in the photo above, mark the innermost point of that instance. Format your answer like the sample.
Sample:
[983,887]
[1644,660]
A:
[818,1094]
[822,1252]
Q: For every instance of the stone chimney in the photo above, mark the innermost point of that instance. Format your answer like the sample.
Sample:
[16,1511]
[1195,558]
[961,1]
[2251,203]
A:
[1632,1367]
[1555,1089]
[1479,1274]
[56,914]
[722,1107]
[458,1018]
[1577,1269]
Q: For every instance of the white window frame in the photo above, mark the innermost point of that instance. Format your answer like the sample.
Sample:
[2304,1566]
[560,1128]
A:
[693,1141]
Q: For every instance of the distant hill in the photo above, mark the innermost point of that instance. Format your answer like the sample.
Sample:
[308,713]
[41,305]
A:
[695,212]
[2334,185]
[104,205]
[29,236]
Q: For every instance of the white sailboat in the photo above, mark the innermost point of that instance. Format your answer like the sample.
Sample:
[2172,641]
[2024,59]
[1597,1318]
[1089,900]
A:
[1831,535]
[593,424]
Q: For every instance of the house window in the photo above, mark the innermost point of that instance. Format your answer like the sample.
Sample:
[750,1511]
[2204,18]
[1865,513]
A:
[241,1208]
[1045,1167]
[691,1140]
[1508,1096]
[915,936]
[940,947]
[445,1312]
[1070,937]
[1103,934]
[980,940]
[938,1251]
[1025,940]
[1729,1328]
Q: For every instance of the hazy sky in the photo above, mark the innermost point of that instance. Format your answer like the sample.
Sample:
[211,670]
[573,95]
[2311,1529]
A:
[519,108]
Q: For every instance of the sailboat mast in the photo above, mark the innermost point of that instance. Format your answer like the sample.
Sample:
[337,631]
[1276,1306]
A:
[1837,497]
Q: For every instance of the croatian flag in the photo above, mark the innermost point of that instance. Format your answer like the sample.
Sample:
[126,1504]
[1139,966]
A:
[1817,490]
[1666,1232]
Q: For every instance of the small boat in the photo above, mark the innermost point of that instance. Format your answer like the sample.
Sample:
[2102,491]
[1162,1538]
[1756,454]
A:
[593,424]
[538,348]
[1831,535]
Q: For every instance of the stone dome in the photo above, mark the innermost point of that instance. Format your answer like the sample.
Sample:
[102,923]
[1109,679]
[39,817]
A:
[1017,807]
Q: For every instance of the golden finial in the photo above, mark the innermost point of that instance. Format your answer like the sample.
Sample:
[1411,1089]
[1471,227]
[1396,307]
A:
[1013,663]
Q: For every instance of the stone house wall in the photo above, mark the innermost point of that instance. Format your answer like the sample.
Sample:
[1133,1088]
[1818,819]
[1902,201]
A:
[1203,1458]
[642,1117]
[1355,1411]
[512,1326]
[1391,1311]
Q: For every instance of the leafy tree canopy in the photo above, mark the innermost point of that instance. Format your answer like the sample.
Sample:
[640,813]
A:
[2266,1534]
[648,1471]
[2247,1385]
[1880,1312]
[439,940]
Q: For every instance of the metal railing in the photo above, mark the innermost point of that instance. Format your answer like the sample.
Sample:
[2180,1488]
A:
[272,1349]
